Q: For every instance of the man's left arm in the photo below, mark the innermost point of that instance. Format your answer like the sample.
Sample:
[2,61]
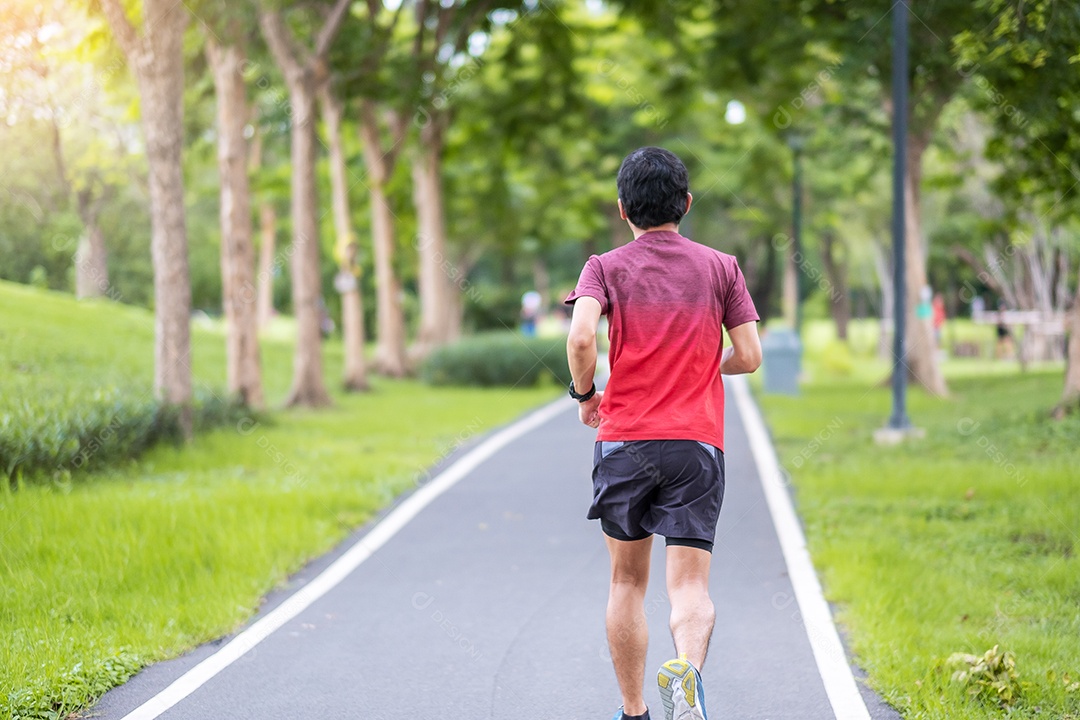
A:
[581,352]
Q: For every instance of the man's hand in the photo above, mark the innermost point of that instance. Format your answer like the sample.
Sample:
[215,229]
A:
[589,411]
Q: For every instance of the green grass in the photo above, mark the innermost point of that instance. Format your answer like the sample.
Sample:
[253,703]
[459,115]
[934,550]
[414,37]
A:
[102,573]
[955,543]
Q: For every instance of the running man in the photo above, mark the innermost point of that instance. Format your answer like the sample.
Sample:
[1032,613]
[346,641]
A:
[658,463]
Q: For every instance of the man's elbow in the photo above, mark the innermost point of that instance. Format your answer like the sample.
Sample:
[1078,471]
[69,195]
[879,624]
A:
[579,344]
[747,359]
[753,360]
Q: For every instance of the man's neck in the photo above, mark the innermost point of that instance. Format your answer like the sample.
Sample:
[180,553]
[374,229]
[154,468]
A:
[670,227]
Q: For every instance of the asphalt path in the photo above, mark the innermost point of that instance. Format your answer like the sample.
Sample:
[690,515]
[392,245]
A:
[490,604]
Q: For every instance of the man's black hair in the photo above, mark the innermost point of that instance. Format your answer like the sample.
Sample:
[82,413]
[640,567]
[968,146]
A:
[653,184]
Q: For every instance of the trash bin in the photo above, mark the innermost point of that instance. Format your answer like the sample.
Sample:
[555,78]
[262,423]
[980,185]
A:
[781,354]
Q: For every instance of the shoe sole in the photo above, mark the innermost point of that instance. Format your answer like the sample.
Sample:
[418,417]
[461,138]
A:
[677,676]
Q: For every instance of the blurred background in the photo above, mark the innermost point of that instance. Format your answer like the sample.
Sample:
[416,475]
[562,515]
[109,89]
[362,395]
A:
[212,212]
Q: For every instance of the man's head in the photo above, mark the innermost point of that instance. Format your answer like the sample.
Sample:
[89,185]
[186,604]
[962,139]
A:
[654,187]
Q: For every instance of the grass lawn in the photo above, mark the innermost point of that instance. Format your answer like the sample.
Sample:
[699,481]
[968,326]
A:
[956,543]
[103,573]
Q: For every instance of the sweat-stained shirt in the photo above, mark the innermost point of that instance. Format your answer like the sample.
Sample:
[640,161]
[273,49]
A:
[665,297]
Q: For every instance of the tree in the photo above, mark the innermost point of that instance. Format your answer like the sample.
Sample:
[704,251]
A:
[51,85]
[1024,64]
[788,45]
[243,371]
[264,283]
[156,57]
[373,68]
[352,309]
[379,159]
[443,35]
[304,69]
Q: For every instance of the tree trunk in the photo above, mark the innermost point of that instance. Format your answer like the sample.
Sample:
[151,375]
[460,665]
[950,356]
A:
[390,319]
[243,371]
[789,294]
[541,280]
[157,56]
[884,271]
[301,71]
[836,272]
[91,260]
[436,290]
[91,257]
[264,285]
[761,277]
[1070,396]
[920,348]
[264,282]
[161,90]
[352,311]
[308,388]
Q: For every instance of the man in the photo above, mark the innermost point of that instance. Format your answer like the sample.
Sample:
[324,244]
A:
[658,464]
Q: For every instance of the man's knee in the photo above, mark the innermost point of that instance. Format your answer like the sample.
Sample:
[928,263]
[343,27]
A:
[630,578]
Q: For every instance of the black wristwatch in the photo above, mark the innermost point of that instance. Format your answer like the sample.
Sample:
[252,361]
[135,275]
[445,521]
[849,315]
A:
[582,398]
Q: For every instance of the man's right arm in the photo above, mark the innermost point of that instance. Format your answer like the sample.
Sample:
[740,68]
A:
[744,354]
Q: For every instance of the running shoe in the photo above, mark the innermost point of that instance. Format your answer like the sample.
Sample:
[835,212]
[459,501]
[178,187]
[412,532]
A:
[681,691]
[619,714]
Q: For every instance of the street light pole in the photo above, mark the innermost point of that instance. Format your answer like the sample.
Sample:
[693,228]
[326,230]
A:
[796,143]
[899,419]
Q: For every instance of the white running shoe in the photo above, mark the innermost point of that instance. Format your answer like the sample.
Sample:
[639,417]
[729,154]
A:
[681,691]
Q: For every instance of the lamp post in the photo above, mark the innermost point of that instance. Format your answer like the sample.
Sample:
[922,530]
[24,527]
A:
[796,141]
[899,418]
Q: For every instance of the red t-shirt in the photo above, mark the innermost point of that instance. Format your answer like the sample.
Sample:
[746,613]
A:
[665,297]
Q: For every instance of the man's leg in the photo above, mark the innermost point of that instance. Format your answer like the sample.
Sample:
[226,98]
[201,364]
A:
[627,629]
[692,611]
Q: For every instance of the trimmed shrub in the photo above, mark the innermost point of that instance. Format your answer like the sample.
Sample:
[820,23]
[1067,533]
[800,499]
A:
[493,359]
[49,436]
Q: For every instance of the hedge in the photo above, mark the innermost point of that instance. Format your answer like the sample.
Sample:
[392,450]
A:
[494,359]
[47,437]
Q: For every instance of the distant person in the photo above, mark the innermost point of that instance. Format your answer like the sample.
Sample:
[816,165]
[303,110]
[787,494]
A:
[939,317]
[531,303]
[924,308]
[1004,334]
[978,306]
[658,463]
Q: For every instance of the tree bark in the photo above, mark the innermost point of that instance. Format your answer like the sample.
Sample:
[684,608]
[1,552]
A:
[390,319]
[789,293]
[91,259]
[884,271]
[920,348]
[436,291]
[264,282]
[1070,396]
[303,72]
[157,57]
[308,387]
[541,279]
[836,272]
[243,369]
[264,285]
[352,310]
[761,276]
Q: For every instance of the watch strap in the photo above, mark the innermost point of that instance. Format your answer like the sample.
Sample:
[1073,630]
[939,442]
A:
[582,398]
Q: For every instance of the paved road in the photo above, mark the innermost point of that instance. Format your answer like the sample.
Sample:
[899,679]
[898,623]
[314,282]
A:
[490,604]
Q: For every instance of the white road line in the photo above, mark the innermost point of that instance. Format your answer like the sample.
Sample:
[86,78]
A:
[832,662]
[325,581]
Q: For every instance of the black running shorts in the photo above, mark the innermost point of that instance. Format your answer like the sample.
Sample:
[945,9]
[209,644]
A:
[672,488]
